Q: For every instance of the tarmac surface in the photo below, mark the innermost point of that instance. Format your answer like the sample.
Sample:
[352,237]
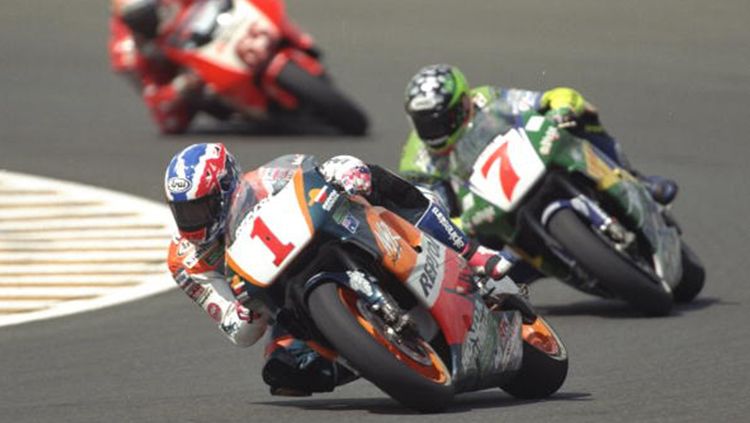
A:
[671,79]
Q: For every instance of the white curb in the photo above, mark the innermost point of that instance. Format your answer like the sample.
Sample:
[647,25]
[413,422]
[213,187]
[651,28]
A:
[68,248]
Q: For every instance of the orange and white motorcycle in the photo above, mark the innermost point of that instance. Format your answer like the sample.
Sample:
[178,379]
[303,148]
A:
[246,53]
[365,288]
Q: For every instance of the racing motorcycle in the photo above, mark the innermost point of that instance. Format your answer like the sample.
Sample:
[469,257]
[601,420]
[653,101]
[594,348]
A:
[241,50]
[368,290]
[574,214]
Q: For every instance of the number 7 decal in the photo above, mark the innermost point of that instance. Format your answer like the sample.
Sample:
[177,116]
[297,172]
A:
[508,176]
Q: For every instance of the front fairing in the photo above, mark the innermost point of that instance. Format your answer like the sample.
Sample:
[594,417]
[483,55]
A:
[503,169]
[281,215]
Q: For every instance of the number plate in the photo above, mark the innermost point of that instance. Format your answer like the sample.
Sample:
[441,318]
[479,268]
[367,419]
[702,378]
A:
[506,170]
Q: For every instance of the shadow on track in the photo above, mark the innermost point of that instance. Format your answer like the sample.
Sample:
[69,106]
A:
[462,404]
[615,309]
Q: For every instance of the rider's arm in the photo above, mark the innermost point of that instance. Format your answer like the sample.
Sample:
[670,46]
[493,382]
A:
[210,290]
[419,167]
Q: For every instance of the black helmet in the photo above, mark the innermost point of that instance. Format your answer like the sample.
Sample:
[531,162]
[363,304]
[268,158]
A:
[438,104]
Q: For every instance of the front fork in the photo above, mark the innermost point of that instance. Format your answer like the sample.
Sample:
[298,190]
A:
[591,211]
[375,299]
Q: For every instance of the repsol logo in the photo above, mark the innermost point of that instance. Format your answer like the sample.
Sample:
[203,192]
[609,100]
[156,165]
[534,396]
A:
[429,277]
[456,239]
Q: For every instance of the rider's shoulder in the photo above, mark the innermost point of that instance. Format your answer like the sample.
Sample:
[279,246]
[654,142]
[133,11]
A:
[183,254]
[484,95]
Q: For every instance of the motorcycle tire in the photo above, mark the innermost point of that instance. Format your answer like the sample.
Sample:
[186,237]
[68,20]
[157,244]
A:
[320,95]
[544,366]
[612,269]
[425,388]
[693,276]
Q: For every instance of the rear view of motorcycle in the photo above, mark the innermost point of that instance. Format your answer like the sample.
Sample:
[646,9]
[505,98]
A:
[368,290]
[251,59]
[577,216]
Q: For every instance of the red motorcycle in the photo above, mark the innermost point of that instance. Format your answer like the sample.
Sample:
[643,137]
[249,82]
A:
[368,290]
[242,51]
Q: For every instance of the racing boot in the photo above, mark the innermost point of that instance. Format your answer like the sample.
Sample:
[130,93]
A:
[294,369]
[662,190]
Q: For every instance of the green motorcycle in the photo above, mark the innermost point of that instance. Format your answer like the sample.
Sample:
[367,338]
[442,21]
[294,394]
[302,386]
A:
[572,213]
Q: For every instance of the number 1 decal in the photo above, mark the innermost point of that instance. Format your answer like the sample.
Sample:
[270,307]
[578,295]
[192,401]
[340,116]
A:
[508,176]
[279,250]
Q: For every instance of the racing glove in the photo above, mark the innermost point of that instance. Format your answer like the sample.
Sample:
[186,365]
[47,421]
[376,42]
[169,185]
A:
[485,261]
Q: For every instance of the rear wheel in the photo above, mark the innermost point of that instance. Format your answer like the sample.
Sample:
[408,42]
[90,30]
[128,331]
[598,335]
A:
[545,363]
[324,98]
[693,276]
[611,268]
[410,371]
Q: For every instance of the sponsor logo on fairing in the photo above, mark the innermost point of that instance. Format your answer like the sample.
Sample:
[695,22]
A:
[350,223]
[330,201]
[317,195]
[456,239]
[428,278]
[390,241]
[178,185]
[545,145]
[472,348]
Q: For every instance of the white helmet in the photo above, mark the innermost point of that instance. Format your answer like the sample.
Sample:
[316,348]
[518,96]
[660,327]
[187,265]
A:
[348,173]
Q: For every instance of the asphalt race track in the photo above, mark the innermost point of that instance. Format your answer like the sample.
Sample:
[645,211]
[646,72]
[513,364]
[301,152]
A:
[671,78]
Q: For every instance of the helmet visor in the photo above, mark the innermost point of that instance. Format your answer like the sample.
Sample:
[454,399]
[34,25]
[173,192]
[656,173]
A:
[194,215]
[443,123]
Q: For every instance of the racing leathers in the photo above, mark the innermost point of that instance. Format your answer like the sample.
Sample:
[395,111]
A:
[200,274]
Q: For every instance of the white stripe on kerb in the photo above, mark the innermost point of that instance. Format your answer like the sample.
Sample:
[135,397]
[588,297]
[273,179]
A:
[68,248]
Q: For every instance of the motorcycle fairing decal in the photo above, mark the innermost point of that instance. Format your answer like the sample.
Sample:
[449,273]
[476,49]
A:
[639,209]
[271,235]
[429,272]
[395,238]
[506,170]
[602,169]
[454,306]
[492,348]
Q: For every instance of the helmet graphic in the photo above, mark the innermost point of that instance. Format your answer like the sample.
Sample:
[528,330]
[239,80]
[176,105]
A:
[198,184]
[438,105]
[349,173]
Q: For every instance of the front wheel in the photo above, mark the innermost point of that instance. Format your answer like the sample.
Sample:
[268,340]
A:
[410,371]
[693,276]
[324,98]
[611,268]
[544,366]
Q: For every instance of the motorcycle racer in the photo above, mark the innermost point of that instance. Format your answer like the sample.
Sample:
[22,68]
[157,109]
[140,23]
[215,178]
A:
[172,94]
[444,112]
[200,184]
